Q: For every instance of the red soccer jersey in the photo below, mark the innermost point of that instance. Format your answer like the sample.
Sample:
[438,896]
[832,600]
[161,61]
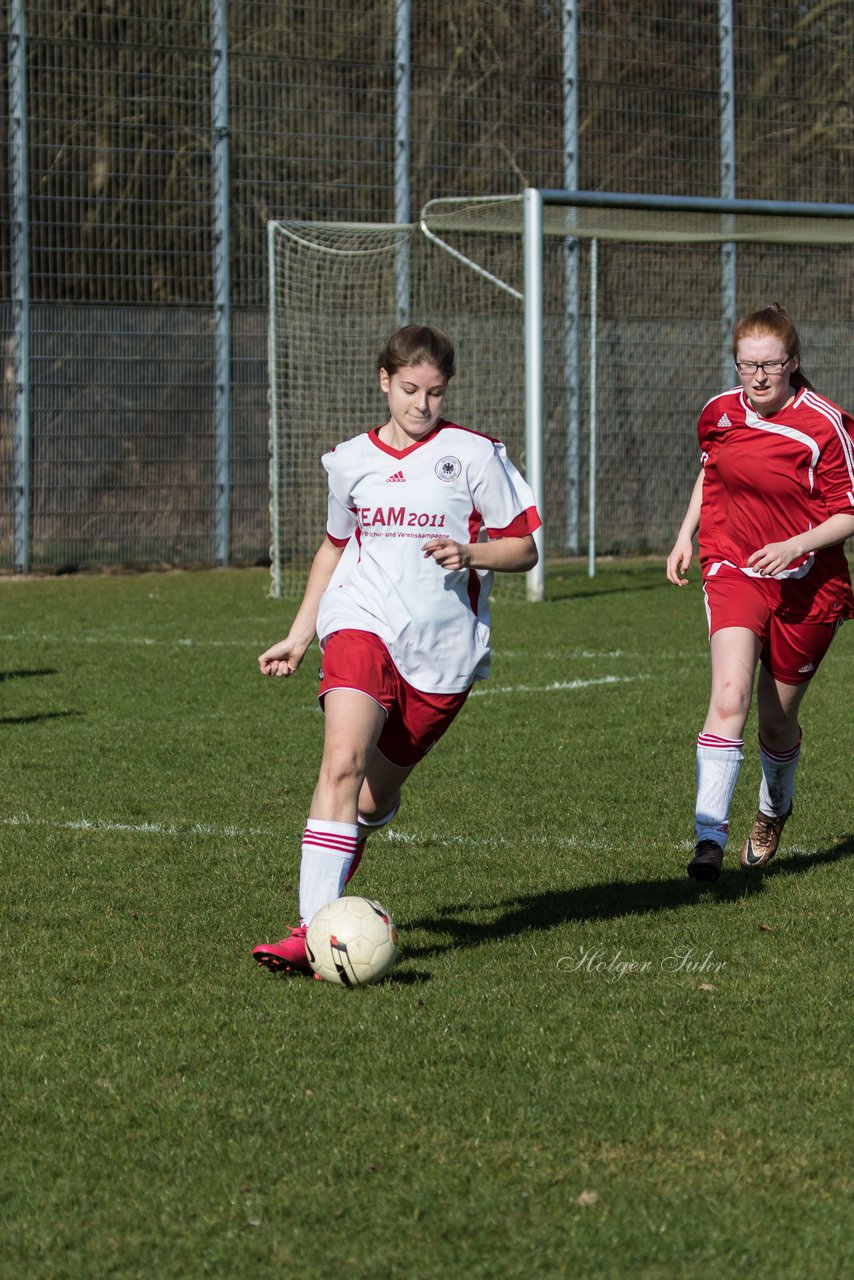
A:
[768,479]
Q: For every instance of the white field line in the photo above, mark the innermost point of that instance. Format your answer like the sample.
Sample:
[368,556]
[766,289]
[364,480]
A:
[142,641]
[187,642]
[575,653]
[172,829]
[141,828]
[556,686]
[519,839]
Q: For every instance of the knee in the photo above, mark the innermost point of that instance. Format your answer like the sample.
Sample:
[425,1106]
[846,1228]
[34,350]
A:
[730,702]
[778,730]
[342,767]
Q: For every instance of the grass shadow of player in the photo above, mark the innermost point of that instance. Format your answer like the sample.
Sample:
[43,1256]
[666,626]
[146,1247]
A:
[560,592]
[27,674]
[406,977]
[36,717]
[598,902]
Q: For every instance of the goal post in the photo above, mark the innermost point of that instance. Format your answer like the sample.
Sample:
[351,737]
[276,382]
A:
[610,309]
[334,299]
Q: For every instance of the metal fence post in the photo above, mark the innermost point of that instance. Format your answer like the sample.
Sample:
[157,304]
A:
[402,107]
[592,406]
[221,281]
[20,282]
[534,339]
[571,372]
[727,163]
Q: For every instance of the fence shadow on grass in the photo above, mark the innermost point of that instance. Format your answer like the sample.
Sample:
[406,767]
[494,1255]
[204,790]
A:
[596,902]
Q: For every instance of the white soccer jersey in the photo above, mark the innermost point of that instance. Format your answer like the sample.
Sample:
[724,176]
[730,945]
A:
[384,504]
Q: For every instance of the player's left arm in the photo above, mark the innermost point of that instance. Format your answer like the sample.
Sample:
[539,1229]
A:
[502,555]
[505,501]
[774,557]
[835,475]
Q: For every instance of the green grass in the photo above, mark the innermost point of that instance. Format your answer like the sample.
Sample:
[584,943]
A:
[584,1064]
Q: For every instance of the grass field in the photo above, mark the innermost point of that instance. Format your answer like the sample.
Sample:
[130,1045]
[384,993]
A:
[584,1064]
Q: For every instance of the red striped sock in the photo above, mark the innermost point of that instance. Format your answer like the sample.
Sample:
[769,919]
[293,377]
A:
[328,850]
[777,788]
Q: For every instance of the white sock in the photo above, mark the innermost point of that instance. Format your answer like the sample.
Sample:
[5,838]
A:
[327,852]
[777,787]
[718,763]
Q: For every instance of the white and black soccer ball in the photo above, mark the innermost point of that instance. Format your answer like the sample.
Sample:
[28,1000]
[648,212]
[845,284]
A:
[351,942]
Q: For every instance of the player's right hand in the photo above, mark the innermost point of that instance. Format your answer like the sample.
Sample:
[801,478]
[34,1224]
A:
[280,659]
[679,561]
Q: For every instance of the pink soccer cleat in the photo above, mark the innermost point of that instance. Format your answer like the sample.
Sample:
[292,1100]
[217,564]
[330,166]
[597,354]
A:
[287,956]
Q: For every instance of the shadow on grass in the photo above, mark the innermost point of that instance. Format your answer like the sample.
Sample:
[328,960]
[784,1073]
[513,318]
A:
[22,675]
[556,595]
[37,716]
[604,902]
[406,977]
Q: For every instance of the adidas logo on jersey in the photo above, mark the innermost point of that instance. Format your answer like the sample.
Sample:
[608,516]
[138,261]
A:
[724,422]
[397,478]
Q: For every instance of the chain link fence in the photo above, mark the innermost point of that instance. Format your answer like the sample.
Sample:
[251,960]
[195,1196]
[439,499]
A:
[137,262]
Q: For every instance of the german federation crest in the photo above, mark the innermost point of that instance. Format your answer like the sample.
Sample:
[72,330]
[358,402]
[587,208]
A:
[448,468]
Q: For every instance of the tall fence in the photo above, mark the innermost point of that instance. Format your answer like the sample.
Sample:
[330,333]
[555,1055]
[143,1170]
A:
[144,147]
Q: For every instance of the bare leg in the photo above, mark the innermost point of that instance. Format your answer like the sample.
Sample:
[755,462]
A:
[735,653]
[777,707]
[353,722]
[380,792]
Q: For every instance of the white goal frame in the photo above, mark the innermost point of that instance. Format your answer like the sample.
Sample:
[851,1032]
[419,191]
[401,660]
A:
[539,213]
[710,220]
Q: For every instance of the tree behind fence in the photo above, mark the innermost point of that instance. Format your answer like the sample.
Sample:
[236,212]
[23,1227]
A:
[120,202]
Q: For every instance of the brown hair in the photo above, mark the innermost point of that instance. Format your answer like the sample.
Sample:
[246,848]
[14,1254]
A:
[418,344]
[773,322]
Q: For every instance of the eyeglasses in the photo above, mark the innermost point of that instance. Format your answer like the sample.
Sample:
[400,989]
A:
[773,368]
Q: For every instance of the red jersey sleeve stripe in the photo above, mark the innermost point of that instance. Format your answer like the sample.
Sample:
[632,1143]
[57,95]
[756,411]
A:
[338,542]
[524,524]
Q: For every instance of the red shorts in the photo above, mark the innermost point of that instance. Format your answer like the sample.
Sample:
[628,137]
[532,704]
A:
[791,651]
[414,720]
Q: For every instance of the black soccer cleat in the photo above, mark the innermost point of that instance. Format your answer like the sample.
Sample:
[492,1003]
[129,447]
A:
[707,861]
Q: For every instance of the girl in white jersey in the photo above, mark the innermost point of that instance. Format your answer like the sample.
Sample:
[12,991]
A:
[774,503]
[421,513]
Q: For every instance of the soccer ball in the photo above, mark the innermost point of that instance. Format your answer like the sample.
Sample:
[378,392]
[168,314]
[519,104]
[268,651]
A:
[351,942]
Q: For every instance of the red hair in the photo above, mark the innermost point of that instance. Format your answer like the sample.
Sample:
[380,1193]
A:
[772,322]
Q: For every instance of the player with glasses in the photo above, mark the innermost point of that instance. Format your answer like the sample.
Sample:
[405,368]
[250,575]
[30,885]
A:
[772,367]
[773,503]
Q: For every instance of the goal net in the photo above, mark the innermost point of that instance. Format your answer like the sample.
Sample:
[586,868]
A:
[637,308]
